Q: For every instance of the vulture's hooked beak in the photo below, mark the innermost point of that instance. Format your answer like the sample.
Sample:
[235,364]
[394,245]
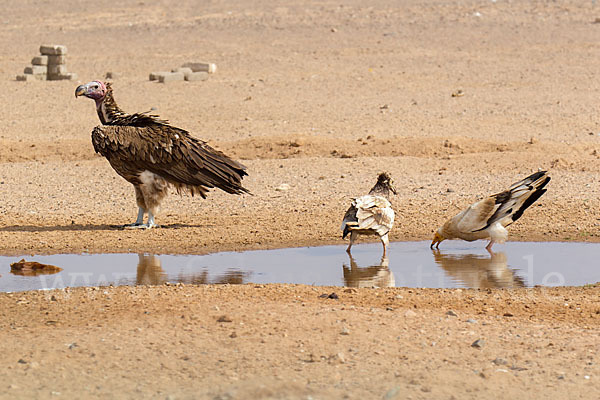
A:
[80,91]
[437,239]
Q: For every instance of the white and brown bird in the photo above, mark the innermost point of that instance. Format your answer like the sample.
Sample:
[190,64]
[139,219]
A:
[153,155]
[371,214]
[488,218]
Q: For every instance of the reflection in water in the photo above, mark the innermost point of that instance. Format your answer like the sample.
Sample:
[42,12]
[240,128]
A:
[375,275]
[477,271]
[150,272]
[33,268]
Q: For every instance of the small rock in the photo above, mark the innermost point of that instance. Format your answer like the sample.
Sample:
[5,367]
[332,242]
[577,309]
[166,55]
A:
[21,361]
[458,93]
[399,296]
[345,331]
[350,290]
[224,318]
[478,344]
[500,361]
[112,75]
[391,394]
[471,321]
[283,187]
[233,335]
[451,313]
[410,313]
[333,296]
[508,314]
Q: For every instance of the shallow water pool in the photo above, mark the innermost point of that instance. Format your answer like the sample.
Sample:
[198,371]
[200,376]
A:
[409,264]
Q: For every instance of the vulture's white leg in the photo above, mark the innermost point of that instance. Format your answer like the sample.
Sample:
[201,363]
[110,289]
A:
[152,191]
[489,246]
[352,239]
[385,242]
[150,223]
[139,222]
[139,199]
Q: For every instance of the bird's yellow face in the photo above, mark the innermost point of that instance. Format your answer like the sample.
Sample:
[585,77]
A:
[437,239]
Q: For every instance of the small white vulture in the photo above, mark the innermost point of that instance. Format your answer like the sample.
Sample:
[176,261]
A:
[488,218]
[371,214]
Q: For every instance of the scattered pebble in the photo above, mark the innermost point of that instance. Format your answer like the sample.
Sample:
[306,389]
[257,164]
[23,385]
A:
[471,321]
[224,318]
[500,361]
[345,331]
[283,187]
[478,344]
[410,313]
[451,313]
[508,314]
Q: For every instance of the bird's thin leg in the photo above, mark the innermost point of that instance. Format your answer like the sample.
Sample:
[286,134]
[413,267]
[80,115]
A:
[151,223]
[352,237]
[139,221]
[489,246]
[385,241]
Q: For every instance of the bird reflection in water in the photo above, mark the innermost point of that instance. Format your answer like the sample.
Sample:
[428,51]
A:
[478,271]
[150,272]
[373,276]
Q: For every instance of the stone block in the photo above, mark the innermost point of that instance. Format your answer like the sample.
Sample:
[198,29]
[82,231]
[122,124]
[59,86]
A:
[40,60]
[171,77]
[56,60]
[69,76]
[184,70]
[35,70]
[196,76]
[27,78]
[53,49]
[155,75]
[201,67]
[59,69]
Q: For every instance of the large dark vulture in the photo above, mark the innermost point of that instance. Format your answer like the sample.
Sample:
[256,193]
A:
[153,155]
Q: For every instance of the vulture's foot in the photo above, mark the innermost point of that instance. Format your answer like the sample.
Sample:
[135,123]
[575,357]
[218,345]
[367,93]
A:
[141,226]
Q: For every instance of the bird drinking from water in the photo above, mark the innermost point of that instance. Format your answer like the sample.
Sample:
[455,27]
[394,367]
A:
[488,218]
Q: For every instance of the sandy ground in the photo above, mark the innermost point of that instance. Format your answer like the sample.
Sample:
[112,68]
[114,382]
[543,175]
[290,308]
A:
[321,96]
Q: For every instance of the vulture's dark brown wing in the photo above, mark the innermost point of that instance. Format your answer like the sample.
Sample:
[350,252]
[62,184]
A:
[185,162]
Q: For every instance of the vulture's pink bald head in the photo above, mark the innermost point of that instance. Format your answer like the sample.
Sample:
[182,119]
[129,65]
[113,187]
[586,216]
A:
[95,90]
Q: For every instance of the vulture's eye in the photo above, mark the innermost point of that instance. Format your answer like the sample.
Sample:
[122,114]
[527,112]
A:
[95,86]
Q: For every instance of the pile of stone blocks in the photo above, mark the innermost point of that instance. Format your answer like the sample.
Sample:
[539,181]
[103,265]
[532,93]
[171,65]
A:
[50,65]
[189,72]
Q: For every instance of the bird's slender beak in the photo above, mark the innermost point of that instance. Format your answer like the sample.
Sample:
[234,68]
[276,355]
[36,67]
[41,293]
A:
[81,90]
[437,239]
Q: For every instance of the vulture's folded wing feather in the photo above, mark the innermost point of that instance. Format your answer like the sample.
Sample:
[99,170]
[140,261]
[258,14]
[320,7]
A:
[182,160]
[369,212]
[476,216]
